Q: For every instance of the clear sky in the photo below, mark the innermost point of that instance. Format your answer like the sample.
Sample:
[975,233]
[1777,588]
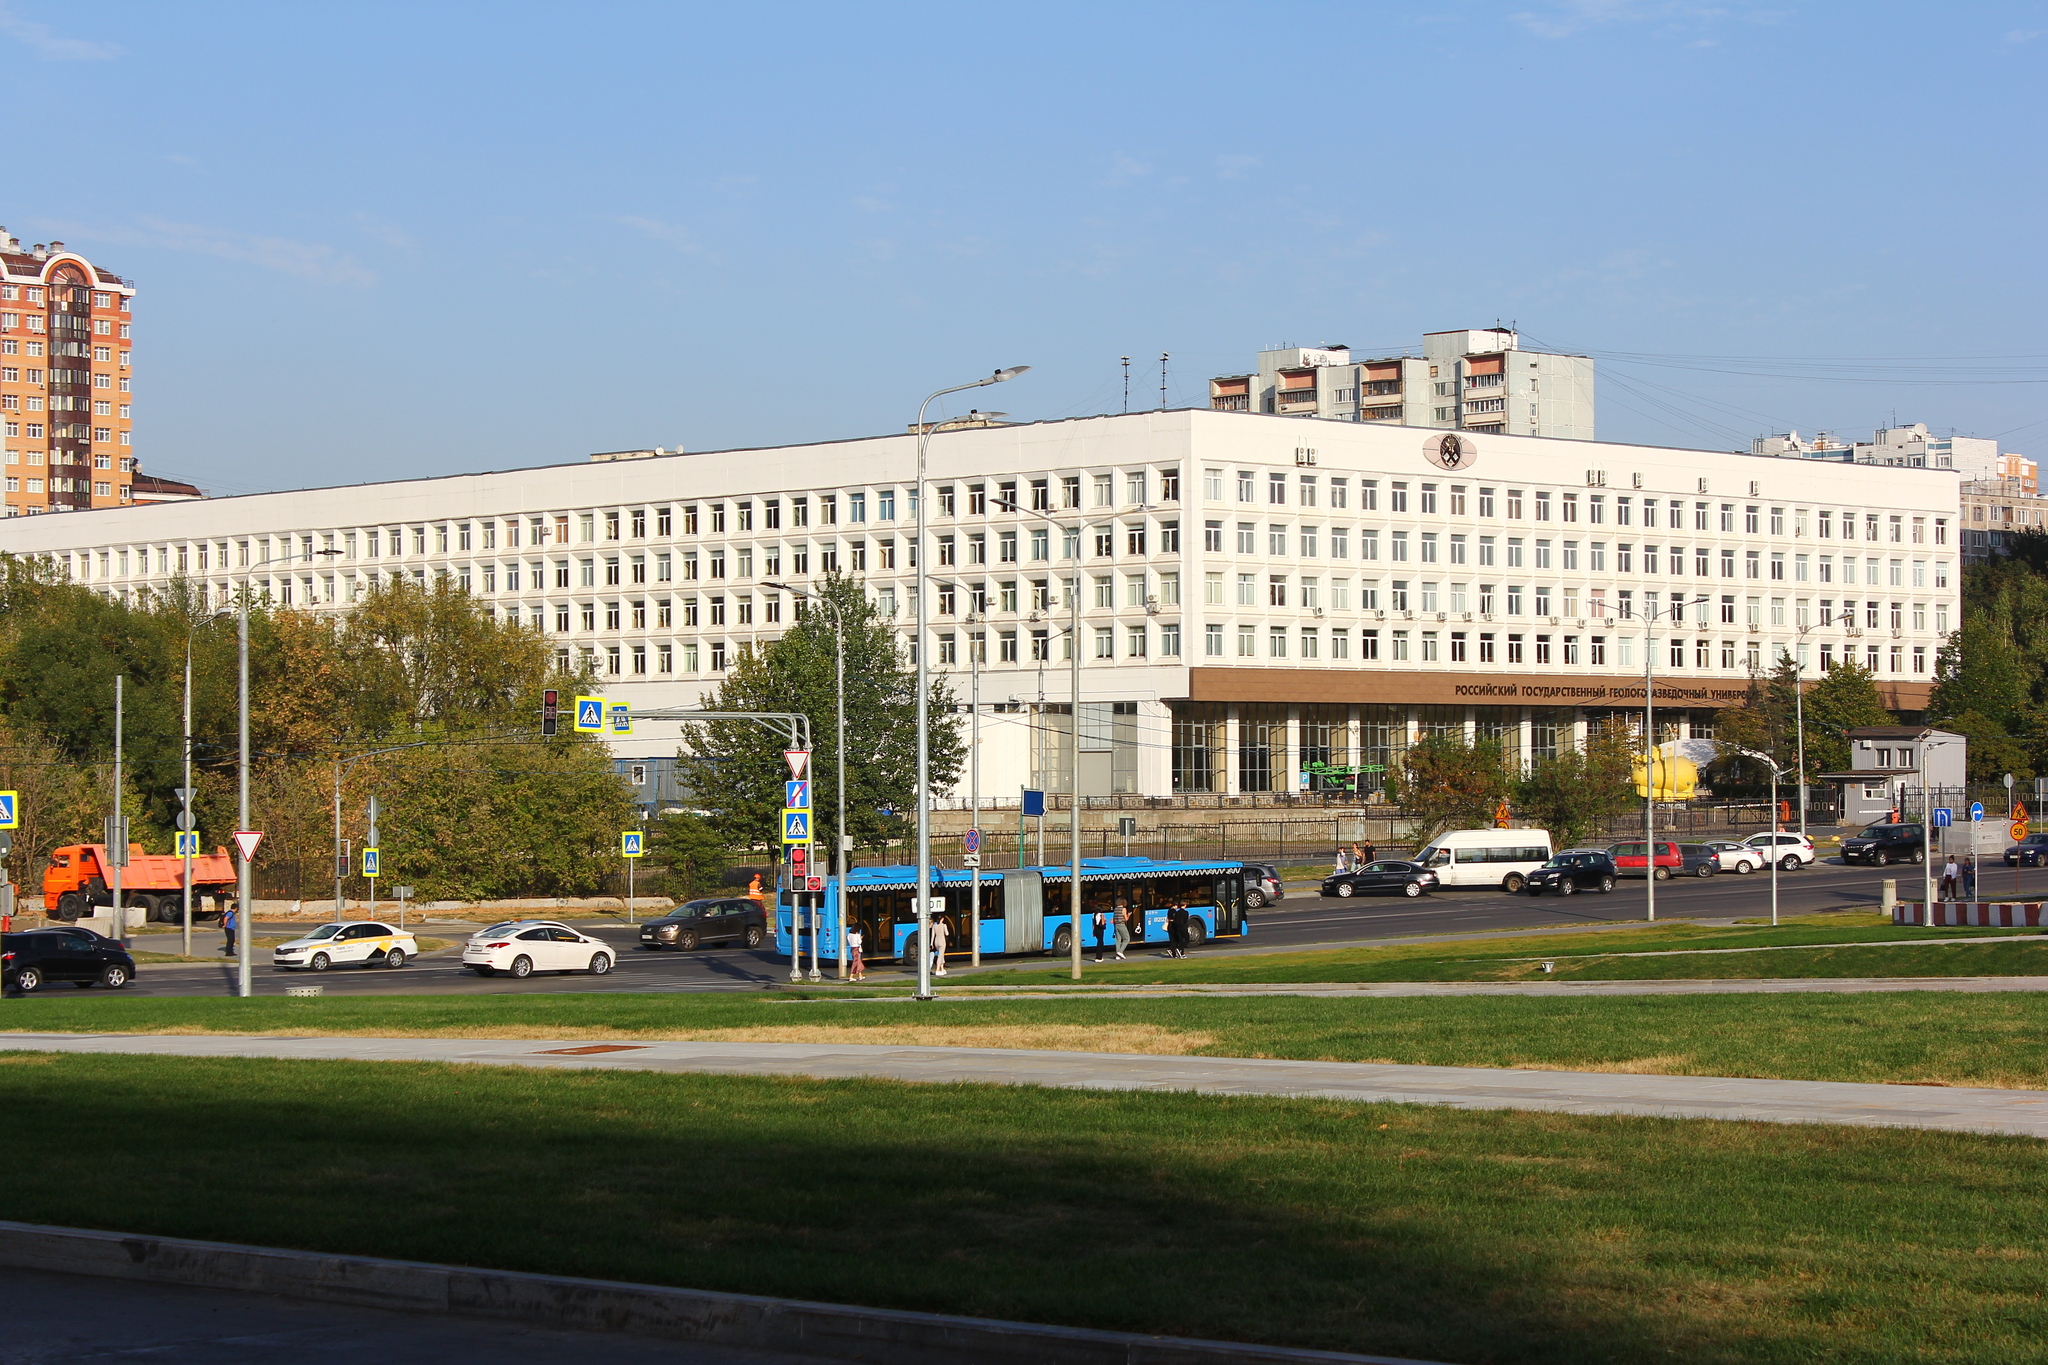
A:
[380,240]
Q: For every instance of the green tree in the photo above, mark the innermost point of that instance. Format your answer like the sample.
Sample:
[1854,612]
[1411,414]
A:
[1445,783]
[739,769]
[1579,792]
[686,856]
[1980,668]
[1842,699]
[1993,752]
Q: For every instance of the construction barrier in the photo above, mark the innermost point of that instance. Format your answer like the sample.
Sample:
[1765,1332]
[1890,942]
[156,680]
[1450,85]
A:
[1974,914]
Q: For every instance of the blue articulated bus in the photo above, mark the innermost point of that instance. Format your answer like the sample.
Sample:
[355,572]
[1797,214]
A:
[1023,910]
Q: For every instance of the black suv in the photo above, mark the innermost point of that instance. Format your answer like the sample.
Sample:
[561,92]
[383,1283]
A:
[722,919]
[1573,871]
[1882,844]
[31,960]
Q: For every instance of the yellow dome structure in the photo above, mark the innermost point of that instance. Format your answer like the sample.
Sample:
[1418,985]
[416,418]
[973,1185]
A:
[1677,777]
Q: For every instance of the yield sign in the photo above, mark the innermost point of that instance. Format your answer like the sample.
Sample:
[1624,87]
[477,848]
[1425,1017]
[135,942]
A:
[798,760]
[246,840]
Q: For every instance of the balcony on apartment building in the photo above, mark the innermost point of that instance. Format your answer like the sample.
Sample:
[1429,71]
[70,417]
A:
[1232,393]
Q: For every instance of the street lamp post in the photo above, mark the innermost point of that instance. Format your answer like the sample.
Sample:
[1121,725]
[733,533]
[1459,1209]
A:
[974,786]
[924,772]
[1073,762]
[839,837]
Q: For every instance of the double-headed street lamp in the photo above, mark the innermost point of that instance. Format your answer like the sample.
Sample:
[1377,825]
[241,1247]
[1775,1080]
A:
[839,837]
[924,767]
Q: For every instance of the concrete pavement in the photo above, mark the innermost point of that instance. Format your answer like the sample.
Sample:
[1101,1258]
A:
[1952,1109]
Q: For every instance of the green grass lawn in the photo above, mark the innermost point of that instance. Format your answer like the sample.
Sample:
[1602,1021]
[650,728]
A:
[1914,1037]
[1585,956]
[1449,1235]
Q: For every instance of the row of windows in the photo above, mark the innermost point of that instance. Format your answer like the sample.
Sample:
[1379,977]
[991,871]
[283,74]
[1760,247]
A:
[104,354]
[100,435]
[1515,552]
[33,293]
[1488,647]
[1515,504]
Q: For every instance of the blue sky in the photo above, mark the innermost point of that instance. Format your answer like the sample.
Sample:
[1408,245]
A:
[378,240]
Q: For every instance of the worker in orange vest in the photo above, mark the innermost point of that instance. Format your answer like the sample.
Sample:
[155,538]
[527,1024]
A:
[754,891]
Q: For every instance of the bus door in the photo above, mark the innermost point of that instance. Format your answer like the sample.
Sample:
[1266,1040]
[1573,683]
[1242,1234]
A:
[1023,907]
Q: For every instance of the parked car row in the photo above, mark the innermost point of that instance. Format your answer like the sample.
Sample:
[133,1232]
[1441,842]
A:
[1521,860]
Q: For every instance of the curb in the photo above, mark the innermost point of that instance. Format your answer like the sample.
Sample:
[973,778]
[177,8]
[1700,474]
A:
[748,1321]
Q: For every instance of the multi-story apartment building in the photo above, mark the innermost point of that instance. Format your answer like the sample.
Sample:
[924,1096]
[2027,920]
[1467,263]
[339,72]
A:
[1912,447]
[1258,596]
[65,380]
[1478,381]
[1993,510]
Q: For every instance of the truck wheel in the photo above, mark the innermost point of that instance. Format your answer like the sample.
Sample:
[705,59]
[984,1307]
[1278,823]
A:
[70,906]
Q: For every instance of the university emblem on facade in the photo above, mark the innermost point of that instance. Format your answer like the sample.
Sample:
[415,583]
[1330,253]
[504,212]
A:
[1450,452]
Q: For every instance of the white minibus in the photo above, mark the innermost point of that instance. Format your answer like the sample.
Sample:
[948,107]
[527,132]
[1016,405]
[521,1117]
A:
[1486,857]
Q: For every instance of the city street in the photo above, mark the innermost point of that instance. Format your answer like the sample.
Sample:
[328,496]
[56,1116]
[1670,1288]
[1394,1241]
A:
[1303,920]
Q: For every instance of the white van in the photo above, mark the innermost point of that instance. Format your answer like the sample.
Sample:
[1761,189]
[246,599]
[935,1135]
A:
[1486,857]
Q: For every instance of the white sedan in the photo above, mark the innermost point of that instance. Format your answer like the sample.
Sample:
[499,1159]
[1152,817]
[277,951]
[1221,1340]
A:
[361,943]
[524,947]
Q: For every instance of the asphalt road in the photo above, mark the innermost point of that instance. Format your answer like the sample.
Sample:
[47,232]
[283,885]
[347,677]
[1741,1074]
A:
[1303,920]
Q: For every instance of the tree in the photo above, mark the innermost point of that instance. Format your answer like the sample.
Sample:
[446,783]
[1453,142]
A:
[1580,791]
[1993,752]
[1980,669]
[686,855]
[1765,721]
[1445,783]
[1842,699]
[739,768]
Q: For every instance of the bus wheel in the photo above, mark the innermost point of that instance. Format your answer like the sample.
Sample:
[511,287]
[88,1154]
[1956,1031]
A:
[911,945]
[1198,932]
[1062,942]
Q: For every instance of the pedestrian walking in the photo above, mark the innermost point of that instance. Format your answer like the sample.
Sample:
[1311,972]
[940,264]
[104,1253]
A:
[1123,927]
[1101,932]
[1951,878]
[1970,880]
[230,921]
[1363,856]
[938,945]
[1177,931]
[1343,863]
[856,965]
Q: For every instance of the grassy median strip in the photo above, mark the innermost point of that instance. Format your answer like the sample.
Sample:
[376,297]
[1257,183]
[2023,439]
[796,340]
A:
[1427,1232]
[1919,1037]
[1585,956]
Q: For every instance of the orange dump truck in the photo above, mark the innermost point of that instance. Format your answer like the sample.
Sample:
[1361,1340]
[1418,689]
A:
[78,882]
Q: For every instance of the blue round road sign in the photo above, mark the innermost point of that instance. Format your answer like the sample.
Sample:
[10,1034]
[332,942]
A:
[1976,810]
[970,842]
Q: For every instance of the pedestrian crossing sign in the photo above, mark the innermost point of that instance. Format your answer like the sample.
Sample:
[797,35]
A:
[10,810]
[590,715]
[796,826]
[188,844]
[622,718]
[629,844]
[370,861]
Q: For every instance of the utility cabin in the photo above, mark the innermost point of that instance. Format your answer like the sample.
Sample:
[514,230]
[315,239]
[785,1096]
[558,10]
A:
[1890,764]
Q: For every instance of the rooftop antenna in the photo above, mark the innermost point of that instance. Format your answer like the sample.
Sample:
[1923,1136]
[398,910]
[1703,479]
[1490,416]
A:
[1162,379]
[1127,383]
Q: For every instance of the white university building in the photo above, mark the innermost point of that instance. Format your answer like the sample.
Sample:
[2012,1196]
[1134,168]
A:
[1260,596]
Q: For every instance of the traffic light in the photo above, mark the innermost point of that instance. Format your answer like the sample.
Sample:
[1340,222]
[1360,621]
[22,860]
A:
[550,711]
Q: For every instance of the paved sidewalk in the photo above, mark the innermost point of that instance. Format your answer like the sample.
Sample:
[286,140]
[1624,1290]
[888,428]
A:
[1957,1109]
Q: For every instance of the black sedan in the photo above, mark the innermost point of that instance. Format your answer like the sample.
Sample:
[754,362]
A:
[31,960]
[724,919]
[1570,872]
[1391,878]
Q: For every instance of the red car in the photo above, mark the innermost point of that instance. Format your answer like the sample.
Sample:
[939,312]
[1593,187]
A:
[1673,860]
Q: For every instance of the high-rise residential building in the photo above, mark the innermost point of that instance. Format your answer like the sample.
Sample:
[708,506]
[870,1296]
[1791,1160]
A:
[1467,381]
[64,380]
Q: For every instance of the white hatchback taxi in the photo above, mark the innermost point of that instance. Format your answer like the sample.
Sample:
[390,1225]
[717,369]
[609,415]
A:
[522,947]
[351,943]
